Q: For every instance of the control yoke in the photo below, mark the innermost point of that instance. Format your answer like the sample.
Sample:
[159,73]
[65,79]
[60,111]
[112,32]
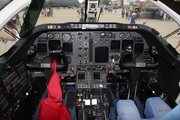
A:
[46,62]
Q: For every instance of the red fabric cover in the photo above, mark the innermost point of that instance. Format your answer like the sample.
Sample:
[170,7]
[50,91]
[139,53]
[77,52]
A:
[51,108]
[54,66]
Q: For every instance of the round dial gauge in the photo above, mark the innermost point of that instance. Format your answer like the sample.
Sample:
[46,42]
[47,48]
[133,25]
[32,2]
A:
[128,35]
[109,35]
[50,35]
[95,41]
[80,44]
[56,35]
[102,34]
[101,41]
[121,35]
[96,35]
[66,37]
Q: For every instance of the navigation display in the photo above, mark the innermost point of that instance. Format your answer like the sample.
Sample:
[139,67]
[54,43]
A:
[41,48]
[101,54]
[54,44]
[126,43]
[67,47]
[115,45]
[139,47]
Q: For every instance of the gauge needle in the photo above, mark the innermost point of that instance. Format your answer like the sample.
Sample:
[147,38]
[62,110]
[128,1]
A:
[66,35]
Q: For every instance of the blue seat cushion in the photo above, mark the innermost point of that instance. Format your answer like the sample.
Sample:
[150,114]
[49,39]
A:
[127,110]
[156,108]
[173,114]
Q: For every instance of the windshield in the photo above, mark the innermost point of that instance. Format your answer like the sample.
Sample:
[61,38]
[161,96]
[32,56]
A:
[139,12]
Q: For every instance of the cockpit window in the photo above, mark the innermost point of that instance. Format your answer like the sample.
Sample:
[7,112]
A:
[145,14]
[3,3]
[61,11]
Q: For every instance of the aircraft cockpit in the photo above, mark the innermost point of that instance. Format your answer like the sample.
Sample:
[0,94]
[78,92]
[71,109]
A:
[106,69]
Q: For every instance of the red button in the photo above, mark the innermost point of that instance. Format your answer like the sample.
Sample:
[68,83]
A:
[62,77]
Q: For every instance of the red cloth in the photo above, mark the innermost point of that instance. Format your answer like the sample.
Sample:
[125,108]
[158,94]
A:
[51,108]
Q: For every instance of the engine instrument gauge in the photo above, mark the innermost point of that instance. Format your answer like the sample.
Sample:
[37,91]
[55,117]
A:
[56,35]
[66,37]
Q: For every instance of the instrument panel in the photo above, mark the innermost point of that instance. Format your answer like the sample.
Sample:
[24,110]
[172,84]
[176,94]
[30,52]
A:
[91,55]
[89,47]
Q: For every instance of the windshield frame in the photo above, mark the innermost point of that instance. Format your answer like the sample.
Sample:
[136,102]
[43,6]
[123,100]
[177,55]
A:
[11,10]
[4,5]
[31,17]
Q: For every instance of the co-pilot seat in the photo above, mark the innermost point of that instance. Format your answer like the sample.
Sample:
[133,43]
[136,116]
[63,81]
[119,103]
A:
[52,107]
[155,109]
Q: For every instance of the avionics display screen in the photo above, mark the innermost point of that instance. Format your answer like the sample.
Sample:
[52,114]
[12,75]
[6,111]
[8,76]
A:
[67,47]
[96,75]
[101,54]
[139,47]
[115,45]
[54,44]
[42,48]
[126,43]
[81,75]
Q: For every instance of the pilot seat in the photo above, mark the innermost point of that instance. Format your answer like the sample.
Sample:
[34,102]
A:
[52,107]
[155,109]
